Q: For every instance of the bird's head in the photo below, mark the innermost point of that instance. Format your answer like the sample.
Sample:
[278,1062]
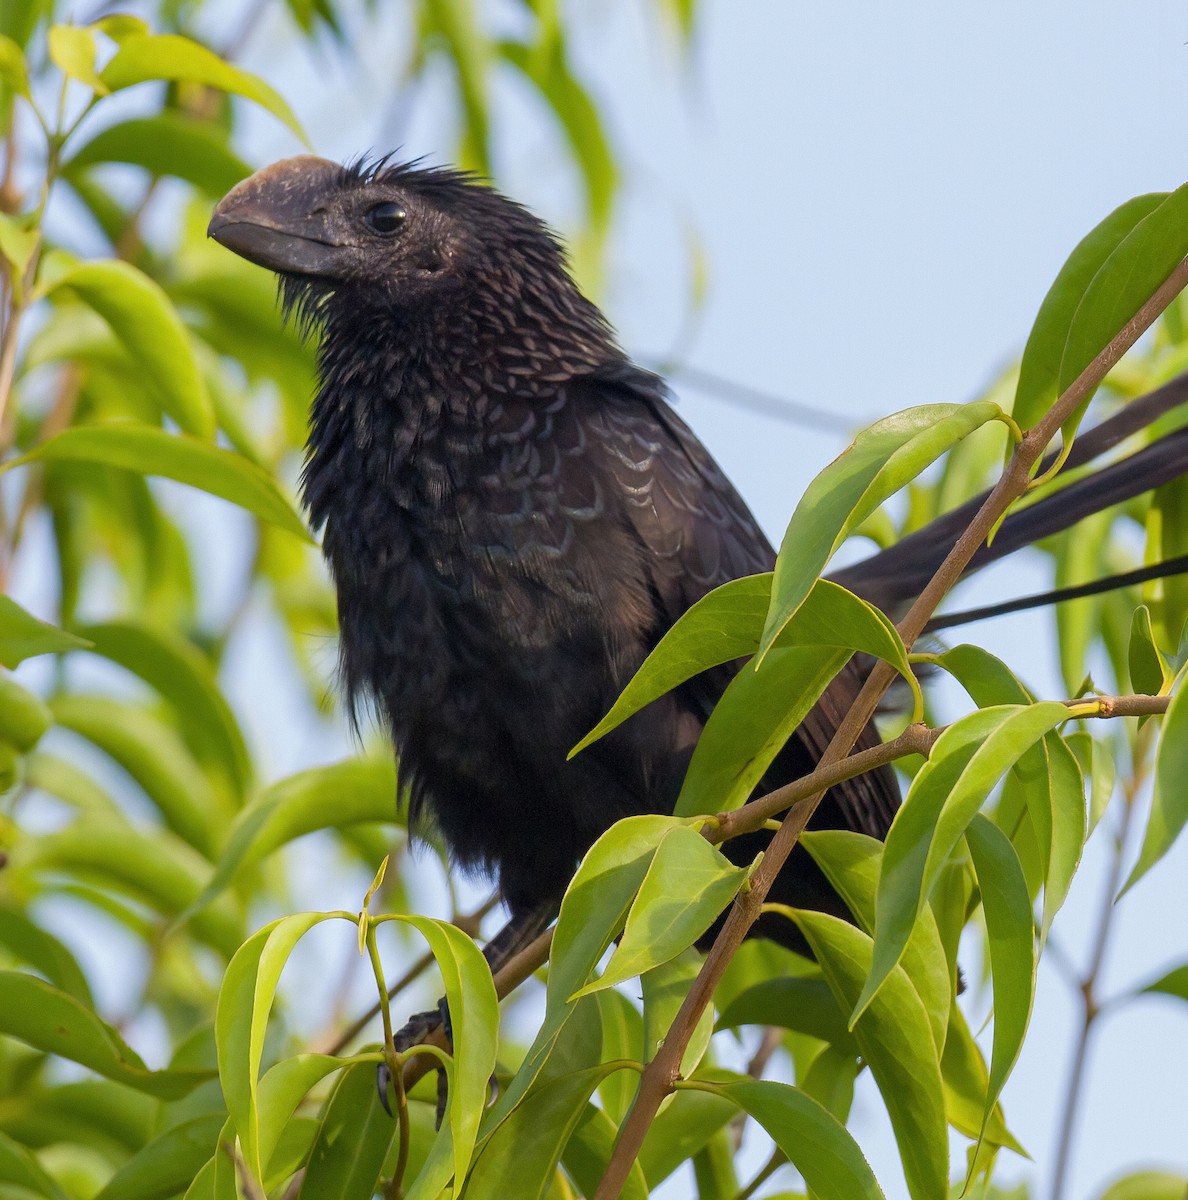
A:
[399,235]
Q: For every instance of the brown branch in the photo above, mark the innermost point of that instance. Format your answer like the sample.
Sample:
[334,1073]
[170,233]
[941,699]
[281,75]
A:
[915,739]
[663,1071]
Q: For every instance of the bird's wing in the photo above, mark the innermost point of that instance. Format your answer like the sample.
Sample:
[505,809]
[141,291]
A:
[697,533]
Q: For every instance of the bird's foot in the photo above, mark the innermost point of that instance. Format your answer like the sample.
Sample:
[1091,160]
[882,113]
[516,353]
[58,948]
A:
[416,1030]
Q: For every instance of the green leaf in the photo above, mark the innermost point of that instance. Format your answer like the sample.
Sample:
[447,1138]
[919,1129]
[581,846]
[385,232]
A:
[151,451]
[622,1036]
[1040,371]
[185,677]
[805,1004]
[474,1017]
[169,56]
[1011,941]
[967,761]
[726,625]
[720,627]
[852,863]
[879,461]
[817,1144]
[29,943]
[1174,983]
[687,1123]
[578,115]
[664,989]
[966,1083]
[13,73]
[1169,803]
[23,636]
[241,1020]
[72,50]
[593,911]
[121,26]
[22,1176]
[283,1088]
[18,241]
[143,318]
[1097,766]
[1146,667]
[352,1140]
[688,883]
[520,1158]
[459,28]
[894,1036]
[830,1079]
[24,718]
[1132,272]
[167,1165]
[1147,1185]
[354,791]
[167,143]
[153,754]
[153,866]
[1067,826]
[757,714]
[49,1019]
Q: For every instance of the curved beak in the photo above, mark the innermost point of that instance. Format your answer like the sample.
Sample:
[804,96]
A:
[278,217]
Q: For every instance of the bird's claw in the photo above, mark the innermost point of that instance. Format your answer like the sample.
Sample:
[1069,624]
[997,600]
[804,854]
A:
[419,1028]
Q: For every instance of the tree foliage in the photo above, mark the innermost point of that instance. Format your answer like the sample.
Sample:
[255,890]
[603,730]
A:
[151,897]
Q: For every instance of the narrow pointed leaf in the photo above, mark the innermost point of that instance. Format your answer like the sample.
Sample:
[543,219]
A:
[241,1021]
[894,1036]
[688,883]
[720,627]
[169,56]
[1040,370]
[967,1080]
[593,911]
[35,1012]
[521,1157]
[1011,941]
[23,636]
[1146,667]
[145,321]
[352,1140]
[880,460]
[72,50]
[167,143]
[757,714]
[969,758]
[350,792]
[852,863]
[1140,262]
[151,451]
[474,1017]
[186,678]
[1169,804]
[168,1164]
[817,1144]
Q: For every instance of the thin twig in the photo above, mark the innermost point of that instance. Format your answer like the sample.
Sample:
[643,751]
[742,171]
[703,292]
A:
[1086,989]
[663,1071]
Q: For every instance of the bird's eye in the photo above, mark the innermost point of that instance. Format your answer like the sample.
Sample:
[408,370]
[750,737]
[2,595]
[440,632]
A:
[386,218]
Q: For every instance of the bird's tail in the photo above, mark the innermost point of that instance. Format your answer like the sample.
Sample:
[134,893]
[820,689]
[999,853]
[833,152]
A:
[894,577]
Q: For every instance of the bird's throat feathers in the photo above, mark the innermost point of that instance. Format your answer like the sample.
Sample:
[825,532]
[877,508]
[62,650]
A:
[395,372]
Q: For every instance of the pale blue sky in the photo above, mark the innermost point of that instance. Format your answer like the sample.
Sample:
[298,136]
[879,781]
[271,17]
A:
[884,193]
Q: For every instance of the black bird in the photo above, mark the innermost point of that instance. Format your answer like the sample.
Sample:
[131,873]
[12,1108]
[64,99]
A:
[514,516]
